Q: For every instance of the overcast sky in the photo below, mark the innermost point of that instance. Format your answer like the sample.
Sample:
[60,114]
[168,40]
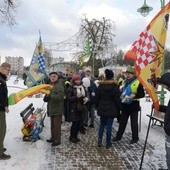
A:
[59,20]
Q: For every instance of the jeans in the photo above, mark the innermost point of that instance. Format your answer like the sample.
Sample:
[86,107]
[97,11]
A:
[92,114]
[108,122]
[167,148]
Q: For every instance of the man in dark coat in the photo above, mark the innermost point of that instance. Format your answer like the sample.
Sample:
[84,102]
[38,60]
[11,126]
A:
[108,104]
[165,81]
[4,72]
[132,90]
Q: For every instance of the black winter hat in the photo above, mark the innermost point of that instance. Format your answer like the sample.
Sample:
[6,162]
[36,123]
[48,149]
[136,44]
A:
[165,80]
[109,74]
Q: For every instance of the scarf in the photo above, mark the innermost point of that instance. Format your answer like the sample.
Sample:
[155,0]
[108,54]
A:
[80,89]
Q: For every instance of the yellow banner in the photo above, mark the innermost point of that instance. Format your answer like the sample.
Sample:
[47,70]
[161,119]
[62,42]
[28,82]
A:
[148,52]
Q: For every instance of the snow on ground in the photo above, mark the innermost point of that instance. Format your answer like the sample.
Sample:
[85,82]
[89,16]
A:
[25,155]
[32,155]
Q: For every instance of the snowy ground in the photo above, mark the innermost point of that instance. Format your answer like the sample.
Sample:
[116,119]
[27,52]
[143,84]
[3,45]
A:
[32,155]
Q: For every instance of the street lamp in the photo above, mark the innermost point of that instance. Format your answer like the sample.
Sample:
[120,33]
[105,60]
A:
[144,10]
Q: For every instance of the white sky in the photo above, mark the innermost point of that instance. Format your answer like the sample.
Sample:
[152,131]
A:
[37,155]
[59,20]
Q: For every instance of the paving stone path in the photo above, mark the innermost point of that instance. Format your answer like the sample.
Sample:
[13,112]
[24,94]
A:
[85,155]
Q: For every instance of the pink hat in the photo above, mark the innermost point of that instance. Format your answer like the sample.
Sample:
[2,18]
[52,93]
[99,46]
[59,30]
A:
[76,78]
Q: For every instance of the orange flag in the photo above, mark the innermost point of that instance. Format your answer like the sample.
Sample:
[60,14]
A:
[148,52]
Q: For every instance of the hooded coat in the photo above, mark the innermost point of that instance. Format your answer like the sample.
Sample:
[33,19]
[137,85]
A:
[165,80]
[107,99]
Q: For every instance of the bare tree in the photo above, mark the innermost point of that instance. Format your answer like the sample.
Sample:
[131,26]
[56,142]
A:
[101,32]
[48,57]
[7,11]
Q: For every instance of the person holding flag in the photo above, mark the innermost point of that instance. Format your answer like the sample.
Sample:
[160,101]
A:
[147,52]
[132,91]
[55,108]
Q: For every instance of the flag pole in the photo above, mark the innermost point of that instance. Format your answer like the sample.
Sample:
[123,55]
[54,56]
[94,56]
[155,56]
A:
[162,97]
[147,134]
[93,63]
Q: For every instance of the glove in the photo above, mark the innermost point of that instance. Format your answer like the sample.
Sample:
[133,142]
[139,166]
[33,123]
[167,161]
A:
[85,100]
[93,94]
[132,96]
[127,98]
[47,98]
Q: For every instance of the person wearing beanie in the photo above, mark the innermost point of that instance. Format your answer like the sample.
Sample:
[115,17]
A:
[130,69]
[4,72]
[165,81]
[109,74]
[131,91]
[76,96]
[108,104]
[75,78]
[55,108]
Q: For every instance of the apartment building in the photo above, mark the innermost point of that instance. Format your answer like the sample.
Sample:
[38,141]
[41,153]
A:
[17,65]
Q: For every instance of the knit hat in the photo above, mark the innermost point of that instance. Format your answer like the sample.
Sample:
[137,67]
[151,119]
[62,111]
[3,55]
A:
[76,78]
[109,74]
[130,69]
[6,65]
[87,69]
[86,82]
[53,72]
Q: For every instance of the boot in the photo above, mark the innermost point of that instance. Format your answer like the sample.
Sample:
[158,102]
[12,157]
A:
[4,157]
[50,140]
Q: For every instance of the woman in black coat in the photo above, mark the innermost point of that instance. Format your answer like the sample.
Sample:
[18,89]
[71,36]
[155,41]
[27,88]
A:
[108,104]
[76,96]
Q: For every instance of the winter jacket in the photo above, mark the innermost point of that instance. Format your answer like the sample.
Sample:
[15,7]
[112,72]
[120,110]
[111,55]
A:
[91,90]
[55,100]
[3,92]
[75,105]
[165,80]
[107,99]
[139,93]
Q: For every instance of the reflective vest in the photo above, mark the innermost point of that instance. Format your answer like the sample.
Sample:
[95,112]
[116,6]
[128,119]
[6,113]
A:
[66,82]
[129,88]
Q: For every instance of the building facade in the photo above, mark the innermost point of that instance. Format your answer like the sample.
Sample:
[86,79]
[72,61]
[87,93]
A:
[17,65]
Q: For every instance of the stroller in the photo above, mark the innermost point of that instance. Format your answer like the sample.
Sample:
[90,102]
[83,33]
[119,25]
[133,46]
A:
[33,123]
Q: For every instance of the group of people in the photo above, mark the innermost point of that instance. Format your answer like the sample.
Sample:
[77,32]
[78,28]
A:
[113,98]
[79,100]
[79,97]
[74,99]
